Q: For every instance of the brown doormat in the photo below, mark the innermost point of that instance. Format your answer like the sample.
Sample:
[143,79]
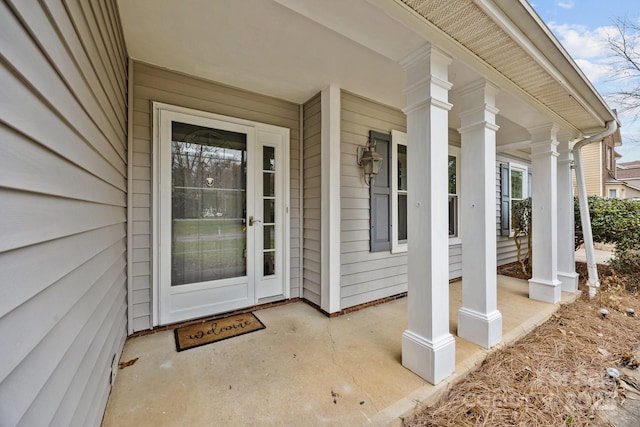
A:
[216,330]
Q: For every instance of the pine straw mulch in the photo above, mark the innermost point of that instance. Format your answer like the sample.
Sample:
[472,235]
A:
[556,375]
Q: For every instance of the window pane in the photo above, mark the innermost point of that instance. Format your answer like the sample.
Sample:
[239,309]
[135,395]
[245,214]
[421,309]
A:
[269,236]
[516,184]
[268,184]
[269,159]
[208,202]
[269,264]
[269,211]
[453,216]
[402,167]
[402,217]
[452,175]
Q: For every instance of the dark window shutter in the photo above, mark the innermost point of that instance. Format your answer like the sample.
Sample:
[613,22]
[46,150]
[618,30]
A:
[380,197]
[505,188]
[530,183]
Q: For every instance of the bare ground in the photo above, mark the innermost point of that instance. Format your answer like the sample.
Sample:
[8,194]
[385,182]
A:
[557,374]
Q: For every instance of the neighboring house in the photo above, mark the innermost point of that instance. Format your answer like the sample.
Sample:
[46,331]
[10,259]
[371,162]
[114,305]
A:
[599,161]
[627,185]
[128,126]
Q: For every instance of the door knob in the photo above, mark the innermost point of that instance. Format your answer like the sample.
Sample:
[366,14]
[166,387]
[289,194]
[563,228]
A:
[251,221]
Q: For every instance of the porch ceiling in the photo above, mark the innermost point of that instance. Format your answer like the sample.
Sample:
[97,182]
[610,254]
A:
[292,49]
[265,47]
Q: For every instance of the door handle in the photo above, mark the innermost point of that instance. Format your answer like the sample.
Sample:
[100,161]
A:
[251,221]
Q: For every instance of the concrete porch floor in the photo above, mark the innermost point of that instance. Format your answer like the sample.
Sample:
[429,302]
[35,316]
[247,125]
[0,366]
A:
[304,369]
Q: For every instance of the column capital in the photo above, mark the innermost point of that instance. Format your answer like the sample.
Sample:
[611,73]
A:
[426,103]
[483,86]
[477,106]
[564,151]
[544,148]
[427,84]
[544,133]
[479,126]
[425,52]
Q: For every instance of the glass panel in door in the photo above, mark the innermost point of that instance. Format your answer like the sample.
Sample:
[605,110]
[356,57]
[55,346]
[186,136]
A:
[269,211]
[208,204]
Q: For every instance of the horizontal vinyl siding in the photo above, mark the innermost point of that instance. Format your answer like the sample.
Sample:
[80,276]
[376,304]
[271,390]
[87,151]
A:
[455,261]
[365,275]
[63,180]
[311,203]
[156,84]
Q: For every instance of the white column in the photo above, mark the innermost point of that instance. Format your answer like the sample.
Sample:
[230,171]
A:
[479,320]
[428,349]
[330,200]
[544,284]
[566,228]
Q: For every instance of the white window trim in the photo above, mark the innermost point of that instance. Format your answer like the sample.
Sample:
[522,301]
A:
[525,186]
[400,138]
[456,152]
[397,138]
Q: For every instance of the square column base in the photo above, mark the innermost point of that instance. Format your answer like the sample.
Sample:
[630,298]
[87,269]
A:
[569,282]
[480,328]
[545,290]
[433,361]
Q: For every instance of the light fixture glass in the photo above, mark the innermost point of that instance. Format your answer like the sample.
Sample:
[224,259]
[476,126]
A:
[370,161]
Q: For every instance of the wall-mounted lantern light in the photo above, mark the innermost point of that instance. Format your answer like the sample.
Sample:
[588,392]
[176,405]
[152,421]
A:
[369,161]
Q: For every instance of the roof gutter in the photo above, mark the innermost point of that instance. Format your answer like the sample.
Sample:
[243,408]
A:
[585,220]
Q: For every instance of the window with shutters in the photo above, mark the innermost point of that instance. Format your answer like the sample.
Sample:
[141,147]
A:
[515,180]
[391,186]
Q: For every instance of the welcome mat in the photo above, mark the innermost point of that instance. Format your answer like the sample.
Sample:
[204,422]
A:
[216,330]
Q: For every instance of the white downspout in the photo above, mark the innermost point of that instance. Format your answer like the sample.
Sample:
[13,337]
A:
[585,220]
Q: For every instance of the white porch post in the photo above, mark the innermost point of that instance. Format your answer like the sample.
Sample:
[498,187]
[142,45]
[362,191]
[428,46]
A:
[330,197]
[428,349]
[479,320]
[544,284]
[566,249]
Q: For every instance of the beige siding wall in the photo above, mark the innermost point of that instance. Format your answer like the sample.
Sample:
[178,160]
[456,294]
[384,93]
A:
[592,166]
[632,193]
[63,211]
[365,275]
[156,84]
[311,212]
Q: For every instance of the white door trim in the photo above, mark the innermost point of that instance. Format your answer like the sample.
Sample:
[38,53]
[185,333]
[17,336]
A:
[156,240]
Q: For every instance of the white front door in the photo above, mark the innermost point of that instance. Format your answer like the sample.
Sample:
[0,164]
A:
[223,214]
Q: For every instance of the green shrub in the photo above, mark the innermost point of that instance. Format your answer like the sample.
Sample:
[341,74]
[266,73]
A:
[614,221]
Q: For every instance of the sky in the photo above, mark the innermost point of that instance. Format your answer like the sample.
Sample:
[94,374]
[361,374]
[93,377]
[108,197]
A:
[582,27]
